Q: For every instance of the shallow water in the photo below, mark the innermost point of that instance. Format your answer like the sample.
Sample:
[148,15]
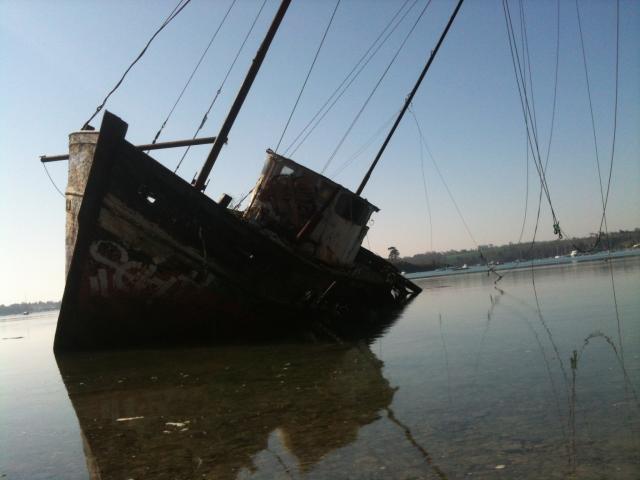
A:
[471,381]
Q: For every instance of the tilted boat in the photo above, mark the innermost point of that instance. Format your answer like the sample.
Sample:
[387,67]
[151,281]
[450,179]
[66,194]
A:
[157,261]
[152,260]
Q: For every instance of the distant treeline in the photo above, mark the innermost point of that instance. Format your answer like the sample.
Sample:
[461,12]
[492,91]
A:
[522,251]
[17,308]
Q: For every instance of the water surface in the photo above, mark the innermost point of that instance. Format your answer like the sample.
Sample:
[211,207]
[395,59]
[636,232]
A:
[471,381]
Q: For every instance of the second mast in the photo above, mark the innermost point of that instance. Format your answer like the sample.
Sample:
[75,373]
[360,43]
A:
[242,94]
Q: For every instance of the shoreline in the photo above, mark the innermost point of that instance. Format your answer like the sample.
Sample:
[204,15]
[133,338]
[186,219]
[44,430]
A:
[542,262]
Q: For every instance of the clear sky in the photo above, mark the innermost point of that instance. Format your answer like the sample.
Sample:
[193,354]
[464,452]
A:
[59,59]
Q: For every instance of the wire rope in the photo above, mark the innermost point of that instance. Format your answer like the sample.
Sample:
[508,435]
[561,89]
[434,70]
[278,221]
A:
[553,116]
[604,208]
[526,197]
[444,182]
[551,128]
[365,145]
[602,227]
[490,269]
[44,165]
[522,90]
[593,122]
[527,61]
[224,80]
[426,195]
[358,68]
[604,197]
[524,99]
[375,88]
[304,84]
[193,72]
[526,194]
[527,112]
[174,13]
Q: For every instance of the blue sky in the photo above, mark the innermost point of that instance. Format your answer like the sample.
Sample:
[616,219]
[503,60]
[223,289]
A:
[58,60]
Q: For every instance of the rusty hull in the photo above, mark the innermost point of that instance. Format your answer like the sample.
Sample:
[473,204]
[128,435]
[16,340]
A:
[156,262]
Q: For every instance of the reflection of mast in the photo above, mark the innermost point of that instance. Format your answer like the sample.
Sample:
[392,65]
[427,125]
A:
[412,440]
[280,462]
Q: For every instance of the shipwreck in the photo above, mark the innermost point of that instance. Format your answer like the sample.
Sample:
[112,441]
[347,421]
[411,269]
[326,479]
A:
[152,260]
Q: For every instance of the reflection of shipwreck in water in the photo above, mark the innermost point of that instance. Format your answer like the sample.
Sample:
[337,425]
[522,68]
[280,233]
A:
[208,413]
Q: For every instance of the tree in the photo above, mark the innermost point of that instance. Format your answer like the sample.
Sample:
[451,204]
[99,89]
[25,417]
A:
[394,254]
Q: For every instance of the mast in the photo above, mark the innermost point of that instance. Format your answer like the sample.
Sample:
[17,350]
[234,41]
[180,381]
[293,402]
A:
[408,100]
[242,94]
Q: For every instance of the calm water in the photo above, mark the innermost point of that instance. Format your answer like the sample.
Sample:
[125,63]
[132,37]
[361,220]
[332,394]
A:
[469,382]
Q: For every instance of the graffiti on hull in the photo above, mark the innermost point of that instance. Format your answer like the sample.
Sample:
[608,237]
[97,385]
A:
[117,273]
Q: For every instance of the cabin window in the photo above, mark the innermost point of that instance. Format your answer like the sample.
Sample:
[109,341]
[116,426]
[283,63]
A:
[286,170]
[352,209]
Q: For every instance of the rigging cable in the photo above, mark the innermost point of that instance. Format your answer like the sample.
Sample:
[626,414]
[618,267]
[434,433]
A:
[604,198]
[375,88]
[527,112]
[304,84]
[524,100]
[44,165]
[226,76]
[490,269]
[526,194]
[553,115]
[453,200]
[174,13]
[359,66]
[412,440]
[527,62]
[613,145]
[195,69]
[551,128]
[615,118]
[526,122]
[538,163]
[593,122]
[426,195]
[525,104]
[365,145]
